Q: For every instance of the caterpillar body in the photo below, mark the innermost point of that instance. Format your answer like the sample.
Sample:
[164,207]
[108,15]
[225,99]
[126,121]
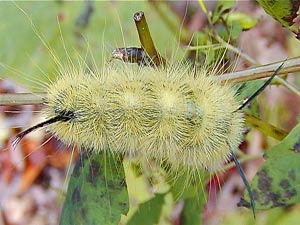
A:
[166,114]
[176,115]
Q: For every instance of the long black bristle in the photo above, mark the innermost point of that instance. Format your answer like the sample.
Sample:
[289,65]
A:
[238,166]
[245,181]
[19,136]
[248,100]
[64,115]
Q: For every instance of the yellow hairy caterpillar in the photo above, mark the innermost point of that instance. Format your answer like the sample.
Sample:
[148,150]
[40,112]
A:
[176,115]
[168,114]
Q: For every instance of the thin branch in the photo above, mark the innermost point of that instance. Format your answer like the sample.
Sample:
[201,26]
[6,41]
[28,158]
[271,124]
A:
[291,87]
[146,39]
[260,89]
[235,50]
[290,66]
[245,181]
[22,98]
[255,63]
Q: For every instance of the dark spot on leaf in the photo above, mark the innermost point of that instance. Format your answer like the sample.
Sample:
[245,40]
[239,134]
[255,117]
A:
[278,132]
[284,184]
[255,194]
[290,193]
[264,193]
[78,166]
[296,146]
[264,180]
[123,206]
[275,199]
[243,203]
[76,195]
[292,174]
[293,12]
[94,172]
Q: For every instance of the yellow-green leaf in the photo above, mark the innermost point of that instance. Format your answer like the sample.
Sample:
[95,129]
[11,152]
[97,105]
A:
[243,19]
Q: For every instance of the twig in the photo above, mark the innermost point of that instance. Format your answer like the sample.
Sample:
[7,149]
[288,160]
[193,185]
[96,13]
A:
[235,50]
[22,98]
[291,87]
[290,66]
[253,62]
[146,40]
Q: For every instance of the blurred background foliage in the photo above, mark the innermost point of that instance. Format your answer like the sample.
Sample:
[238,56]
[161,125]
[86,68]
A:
[200,30]
[109,26]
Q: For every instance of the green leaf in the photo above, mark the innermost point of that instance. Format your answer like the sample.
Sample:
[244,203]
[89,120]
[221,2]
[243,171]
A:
[277,181]
[190,187]
[221,7]
[243,19]
[192,211]
[97,192]
[282,11]
[148,212]
[188,184]
[245,90]
[236,29]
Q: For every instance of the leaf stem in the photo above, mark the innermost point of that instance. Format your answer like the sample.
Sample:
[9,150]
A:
[146,39]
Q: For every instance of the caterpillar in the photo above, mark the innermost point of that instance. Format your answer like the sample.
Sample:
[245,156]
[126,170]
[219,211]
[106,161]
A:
[169,114]
[176,115]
